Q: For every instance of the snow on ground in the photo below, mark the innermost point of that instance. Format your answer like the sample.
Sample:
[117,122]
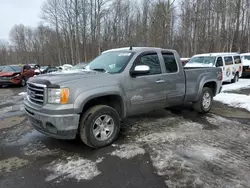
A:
[73,167]
[128,151]
[243,83]
[234,100]
[22,93]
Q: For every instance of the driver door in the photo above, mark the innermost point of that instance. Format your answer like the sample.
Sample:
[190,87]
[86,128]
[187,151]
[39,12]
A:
[146,92]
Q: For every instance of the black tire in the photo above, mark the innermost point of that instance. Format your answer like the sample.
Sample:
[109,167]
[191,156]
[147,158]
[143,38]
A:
[199,106]
[87,124]
[236,78]
[23,82]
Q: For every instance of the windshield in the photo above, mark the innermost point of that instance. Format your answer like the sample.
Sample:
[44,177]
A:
[246,57]
[207,60]
[11,69]
[1,68]
[111,62]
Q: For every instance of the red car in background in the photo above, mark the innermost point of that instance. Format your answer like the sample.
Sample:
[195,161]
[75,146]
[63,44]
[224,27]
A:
[15,74]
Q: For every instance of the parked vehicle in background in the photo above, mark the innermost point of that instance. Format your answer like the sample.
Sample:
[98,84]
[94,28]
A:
[245,58]
[117,84]
[185,60]
[48,69]
[15,74]
[230,63]
[65,67]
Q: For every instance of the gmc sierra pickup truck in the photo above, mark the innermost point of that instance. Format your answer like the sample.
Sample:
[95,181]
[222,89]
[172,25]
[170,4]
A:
[119,83]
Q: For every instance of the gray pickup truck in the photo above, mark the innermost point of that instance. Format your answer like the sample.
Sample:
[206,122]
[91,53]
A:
[92,102]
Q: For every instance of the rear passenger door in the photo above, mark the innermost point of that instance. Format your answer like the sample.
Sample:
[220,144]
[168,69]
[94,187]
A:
[173,75]
[146,92]
[228,72]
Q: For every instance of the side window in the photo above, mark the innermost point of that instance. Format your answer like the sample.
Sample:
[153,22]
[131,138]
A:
[219,62]
[170,63]
[237,60]
[228,60]
[151,60]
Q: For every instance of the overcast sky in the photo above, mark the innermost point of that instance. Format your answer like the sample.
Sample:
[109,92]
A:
[13,12]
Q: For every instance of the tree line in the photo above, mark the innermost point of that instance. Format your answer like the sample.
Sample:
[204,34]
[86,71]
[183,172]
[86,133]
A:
[73,31]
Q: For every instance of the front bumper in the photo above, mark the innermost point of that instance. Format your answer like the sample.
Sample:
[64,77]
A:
[64,126]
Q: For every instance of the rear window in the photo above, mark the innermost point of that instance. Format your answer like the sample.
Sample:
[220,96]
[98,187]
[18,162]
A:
[170,63]
[228,60]
[237,60]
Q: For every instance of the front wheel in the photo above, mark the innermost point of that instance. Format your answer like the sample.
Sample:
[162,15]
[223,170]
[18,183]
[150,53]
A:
[99,126]
[205,102]
[23,82]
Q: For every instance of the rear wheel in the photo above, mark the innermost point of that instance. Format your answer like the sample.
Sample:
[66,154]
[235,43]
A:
[205,102]
[99,126]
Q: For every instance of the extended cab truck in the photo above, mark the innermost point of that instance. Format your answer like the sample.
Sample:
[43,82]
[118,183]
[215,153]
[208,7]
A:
[117,84]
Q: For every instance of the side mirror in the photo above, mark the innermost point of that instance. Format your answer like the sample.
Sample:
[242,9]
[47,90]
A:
[140,70]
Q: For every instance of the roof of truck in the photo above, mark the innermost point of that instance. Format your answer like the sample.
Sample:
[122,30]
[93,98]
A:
[245,53]
[138,49]
[217,54]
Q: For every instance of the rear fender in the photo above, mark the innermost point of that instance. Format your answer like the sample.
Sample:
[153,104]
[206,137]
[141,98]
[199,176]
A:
[204,81]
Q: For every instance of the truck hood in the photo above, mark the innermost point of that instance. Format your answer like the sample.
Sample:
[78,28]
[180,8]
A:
[59,78]
[7,74]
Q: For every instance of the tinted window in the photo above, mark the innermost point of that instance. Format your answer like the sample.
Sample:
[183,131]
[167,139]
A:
[228,60]
[237,59]
[219,62]
[246,57]
[26,67]
[152,61]
[170,63]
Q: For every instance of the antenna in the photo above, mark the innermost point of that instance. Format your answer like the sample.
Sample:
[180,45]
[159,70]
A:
[130,48]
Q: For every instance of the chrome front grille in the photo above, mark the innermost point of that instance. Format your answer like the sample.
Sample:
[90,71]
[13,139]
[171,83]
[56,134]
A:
[35,93]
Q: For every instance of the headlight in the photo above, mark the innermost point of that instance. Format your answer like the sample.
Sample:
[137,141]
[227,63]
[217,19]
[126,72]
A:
[58,96]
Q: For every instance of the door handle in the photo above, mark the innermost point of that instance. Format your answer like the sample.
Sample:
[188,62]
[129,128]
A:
[160,81]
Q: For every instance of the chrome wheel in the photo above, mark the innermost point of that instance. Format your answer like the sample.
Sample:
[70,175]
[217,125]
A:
[206,100]
[103,127]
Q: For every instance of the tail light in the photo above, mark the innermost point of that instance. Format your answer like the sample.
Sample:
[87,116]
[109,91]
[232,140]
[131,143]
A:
[220,76]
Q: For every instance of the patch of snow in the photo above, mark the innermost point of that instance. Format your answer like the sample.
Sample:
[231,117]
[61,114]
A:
[234,100]
[22,93]
[218,120]
[128,151]
[39,149]
[73,167]
[243,83]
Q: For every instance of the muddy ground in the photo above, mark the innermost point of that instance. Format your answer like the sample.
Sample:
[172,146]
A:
[174,148]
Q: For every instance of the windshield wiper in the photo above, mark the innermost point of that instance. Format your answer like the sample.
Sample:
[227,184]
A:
[99,70]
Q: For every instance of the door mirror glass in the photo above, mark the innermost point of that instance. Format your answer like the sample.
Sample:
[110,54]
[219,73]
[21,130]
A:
[140,69]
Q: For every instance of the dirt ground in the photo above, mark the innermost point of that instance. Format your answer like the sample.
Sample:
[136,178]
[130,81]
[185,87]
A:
[176,148]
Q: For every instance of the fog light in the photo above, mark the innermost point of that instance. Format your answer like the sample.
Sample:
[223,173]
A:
[51,128]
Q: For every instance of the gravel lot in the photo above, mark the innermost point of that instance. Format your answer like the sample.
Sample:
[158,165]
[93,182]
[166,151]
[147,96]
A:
[175,148]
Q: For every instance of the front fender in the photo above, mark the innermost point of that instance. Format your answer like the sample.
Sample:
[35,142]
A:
[86,96]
